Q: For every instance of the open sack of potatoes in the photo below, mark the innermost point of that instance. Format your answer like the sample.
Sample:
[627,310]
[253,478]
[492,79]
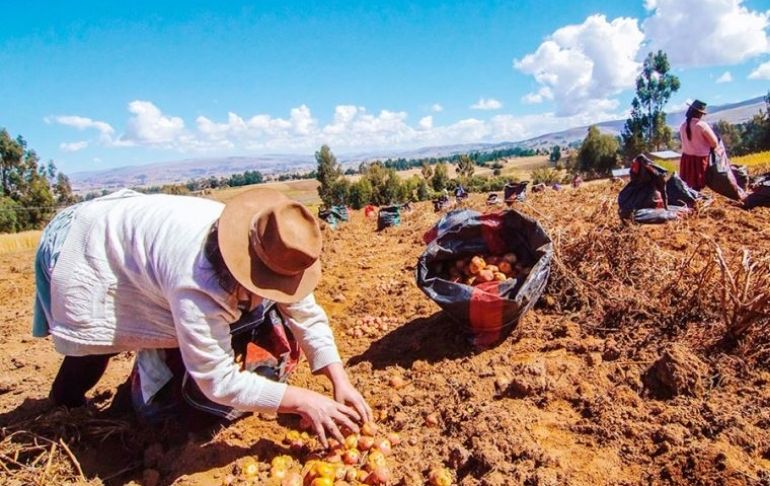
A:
[485,270]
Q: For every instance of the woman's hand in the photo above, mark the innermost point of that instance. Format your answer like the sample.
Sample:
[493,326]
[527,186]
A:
[345,392]
[325,414]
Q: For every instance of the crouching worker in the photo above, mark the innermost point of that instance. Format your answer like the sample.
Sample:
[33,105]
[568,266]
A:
[172,277]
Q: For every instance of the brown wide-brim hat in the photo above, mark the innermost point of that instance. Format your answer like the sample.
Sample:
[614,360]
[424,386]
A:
[271,245]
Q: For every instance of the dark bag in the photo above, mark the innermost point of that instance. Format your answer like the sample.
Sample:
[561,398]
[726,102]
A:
[741,174]
[720,177]
[760,195]
[333,216]
[680,194]
[388,216]
[646,188]
[515,192]
[489,311]
[262,344]
[658,216]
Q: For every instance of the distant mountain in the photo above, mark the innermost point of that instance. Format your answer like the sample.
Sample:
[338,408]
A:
[184,170]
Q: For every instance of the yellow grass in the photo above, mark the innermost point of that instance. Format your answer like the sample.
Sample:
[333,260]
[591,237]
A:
[12,242]
[304,191]
[759,158]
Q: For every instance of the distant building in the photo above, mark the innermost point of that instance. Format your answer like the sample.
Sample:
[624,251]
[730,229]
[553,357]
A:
[624,172]
[665,155]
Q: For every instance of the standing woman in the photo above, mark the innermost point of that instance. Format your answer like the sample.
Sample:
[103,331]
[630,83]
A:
[698,139]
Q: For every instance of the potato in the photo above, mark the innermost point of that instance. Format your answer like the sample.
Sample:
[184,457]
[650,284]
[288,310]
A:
[500,277]
[477,264]
[510,258]
[505,267]
[485,276]
[492,268]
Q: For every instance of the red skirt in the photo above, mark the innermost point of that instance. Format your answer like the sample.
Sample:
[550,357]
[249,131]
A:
[692,170]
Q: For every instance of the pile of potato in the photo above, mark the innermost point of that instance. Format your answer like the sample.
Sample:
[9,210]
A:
[361,459]
[371,326]
[480,269]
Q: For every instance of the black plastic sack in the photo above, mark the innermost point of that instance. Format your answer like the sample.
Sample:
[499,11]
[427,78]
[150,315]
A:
[388,216]
[645,190]
[489,311]
[659,215]
[638,195]
[760,194]
[720,177]
[341,212]
[680,194]
[516,191]
[741,174]
[333,215]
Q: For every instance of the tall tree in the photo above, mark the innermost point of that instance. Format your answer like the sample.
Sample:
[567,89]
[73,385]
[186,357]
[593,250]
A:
[440,177]
[555,154]
[426,170]
[598,152]
[63,191]
[465,166]
[327,173]
[646,129]
[24,181]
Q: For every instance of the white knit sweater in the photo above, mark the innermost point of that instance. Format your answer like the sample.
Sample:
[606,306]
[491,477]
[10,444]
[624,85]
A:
[132,275]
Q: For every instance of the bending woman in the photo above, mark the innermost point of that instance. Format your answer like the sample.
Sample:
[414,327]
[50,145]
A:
[133,272]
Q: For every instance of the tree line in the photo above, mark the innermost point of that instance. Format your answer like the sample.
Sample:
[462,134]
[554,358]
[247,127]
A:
[30,191]
[381,185]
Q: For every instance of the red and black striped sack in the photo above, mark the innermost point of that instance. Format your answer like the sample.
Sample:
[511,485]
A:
[488,311]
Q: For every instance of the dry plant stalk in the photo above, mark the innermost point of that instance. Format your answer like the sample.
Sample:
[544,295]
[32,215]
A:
[745,296]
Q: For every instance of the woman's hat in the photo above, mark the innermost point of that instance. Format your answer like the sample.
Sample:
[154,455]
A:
[271,245]
[699,106]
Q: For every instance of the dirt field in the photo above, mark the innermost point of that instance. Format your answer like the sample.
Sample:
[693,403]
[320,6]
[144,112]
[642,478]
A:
[624,374]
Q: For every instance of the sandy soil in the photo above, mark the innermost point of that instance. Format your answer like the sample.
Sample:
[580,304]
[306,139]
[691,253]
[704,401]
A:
[570,398]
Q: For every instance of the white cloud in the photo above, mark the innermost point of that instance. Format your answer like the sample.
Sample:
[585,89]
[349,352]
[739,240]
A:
[584,65]
[541,95]
[83,123]
[726,77]
[149,126]
[486,104]
[351,128]
[706,32]
[436,108]
[73,146]
[761,72]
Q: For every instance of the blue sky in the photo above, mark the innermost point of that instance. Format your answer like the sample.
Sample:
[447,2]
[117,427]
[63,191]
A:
[94,85]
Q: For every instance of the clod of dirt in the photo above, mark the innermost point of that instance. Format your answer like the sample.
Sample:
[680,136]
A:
[529,378]
[458,457]
[673,434]
[676,372]
[611,351]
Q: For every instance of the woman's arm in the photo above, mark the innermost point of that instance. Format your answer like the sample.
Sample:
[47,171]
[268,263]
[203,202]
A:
[709,135]
[203,332]
[310,326]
